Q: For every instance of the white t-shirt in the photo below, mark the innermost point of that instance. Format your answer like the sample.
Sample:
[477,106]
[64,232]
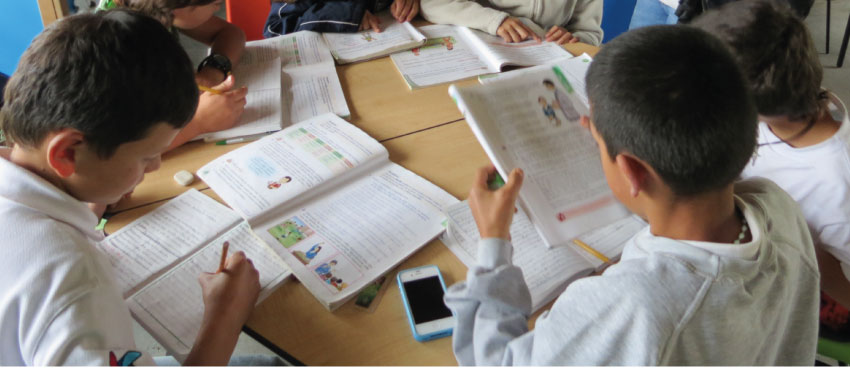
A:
[59,304]
[817,177]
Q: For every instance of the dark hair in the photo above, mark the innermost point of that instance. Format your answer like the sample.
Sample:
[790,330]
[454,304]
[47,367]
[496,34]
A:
[162,10]
[776,53]
[111,75]
[674,97]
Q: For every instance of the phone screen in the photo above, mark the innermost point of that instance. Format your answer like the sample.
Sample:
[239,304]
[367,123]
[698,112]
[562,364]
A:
[426,299]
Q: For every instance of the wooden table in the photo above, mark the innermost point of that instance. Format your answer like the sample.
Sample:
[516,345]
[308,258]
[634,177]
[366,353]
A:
[428,137]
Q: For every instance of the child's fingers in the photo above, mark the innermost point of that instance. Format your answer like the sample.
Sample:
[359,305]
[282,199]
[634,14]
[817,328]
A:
[482,175]
[575,40]
[513,184]
[514,36]
[552,36]
[376,24]
[408,8]
[565,38]
[414,9]
[234,259]
[531,33]
[237,94]
[552,30]
[226,84]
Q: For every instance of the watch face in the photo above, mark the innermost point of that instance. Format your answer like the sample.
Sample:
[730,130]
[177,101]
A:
[217,61]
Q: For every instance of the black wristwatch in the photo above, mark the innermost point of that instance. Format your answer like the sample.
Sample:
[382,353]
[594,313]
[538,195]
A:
[217,61]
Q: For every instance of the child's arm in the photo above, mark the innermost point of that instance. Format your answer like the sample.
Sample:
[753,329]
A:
[229,298]
[404,10]
[223,38]
[586,22]
[215,112]
[467,13]
[493,304]
[832,279]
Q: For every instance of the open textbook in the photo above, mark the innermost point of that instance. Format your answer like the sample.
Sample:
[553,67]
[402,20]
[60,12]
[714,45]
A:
[159,256]
[453,53]
[531,120]
[547,271]
[365,45]
[290,78]
[328,201]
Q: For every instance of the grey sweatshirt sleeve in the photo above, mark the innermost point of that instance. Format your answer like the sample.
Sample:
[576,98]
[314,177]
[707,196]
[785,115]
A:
[491,309]
[467,13]
[586,21]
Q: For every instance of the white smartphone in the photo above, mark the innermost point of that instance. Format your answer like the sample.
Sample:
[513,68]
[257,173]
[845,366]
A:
[422,291]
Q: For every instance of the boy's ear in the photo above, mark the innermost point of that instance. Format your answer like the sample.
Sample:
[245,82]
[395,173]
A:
[62,150]
[634,171]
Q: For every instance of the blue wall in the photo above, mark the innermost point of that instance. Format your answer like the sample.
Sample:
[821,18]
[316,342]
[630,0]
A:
[20,21]
[616,15]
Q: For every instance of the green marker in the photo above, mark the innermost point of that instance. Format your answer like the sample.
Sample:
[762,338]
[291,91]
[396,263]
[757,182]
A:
[495,182]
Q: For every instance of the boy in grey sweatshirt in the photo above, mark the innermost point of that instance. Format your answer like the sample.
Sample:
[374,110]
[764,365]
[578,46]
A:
[725,273]
[564,21]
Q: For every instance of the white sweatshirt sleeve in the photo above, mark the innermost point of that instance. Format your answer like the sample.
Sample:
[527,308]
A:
[467,13]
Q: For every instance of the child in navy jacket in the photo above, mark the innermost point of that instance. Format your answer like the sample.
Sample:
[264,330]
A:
[287,16]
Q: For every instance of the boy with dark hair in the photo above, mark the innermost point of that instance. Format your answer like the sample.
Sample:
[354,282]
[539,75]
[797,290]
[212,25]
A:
[725,274]
[804,134]
[94,102]
[196,19]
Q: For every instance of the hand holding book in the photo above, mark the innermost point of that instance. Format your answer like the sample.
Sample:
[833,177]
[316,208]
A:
[493,210]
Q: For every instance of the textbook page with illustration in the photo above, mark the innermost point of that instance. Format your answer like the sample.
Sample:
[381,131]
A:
[547,271]
[452,53]
[365,45]
[159,256]
[300,64]
[574,68]
[532,121]
[326,198]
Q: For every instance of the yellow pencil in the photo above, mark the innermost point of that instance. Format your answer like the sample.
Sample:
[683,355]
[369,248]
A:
[208,89]
[224,248]
[592,251]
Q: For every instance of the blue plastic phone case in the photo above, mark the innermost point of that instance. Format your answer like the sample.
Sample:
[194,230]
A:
[418,337]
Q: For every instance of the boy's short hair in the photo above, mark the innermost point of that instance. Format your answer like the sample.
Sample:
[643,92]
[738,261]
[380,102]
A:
[775,51]
[111,75]
[160,9]
[674,97]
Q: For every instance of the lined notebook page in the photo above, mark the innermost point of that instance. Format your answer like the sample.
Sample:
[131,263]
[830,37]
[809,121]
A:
[149,245]
[171,308]
[546,271]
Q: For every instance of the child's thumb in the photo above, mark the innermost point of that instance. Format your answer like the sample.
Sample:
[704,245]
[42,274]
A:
[225,85]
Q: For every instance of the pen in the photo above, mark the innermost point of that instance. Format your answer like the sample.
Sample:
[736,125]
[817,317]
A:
[592,251]
[208,89]
[224,248]
[244,138]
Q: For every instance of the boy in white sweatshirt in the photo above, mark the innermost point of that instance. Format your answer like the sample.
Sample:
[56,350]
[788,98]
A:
[565,21]
[725,273]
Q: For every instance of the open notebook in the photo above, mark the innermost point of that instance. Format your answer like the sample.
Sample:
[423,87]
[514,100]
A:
[365,45]
[531,119]
[290,78]
[326,198]
[159,256]
[547,271]
[453,53]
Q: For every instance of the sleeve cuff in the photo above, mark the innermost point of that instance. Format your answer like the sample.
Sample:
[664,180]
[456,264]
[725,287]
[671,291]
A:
[496,22]
[494,252]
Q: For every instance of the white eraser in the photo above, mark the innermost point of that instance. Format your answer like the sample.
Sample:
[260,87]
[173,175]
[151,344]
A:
[184,178]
